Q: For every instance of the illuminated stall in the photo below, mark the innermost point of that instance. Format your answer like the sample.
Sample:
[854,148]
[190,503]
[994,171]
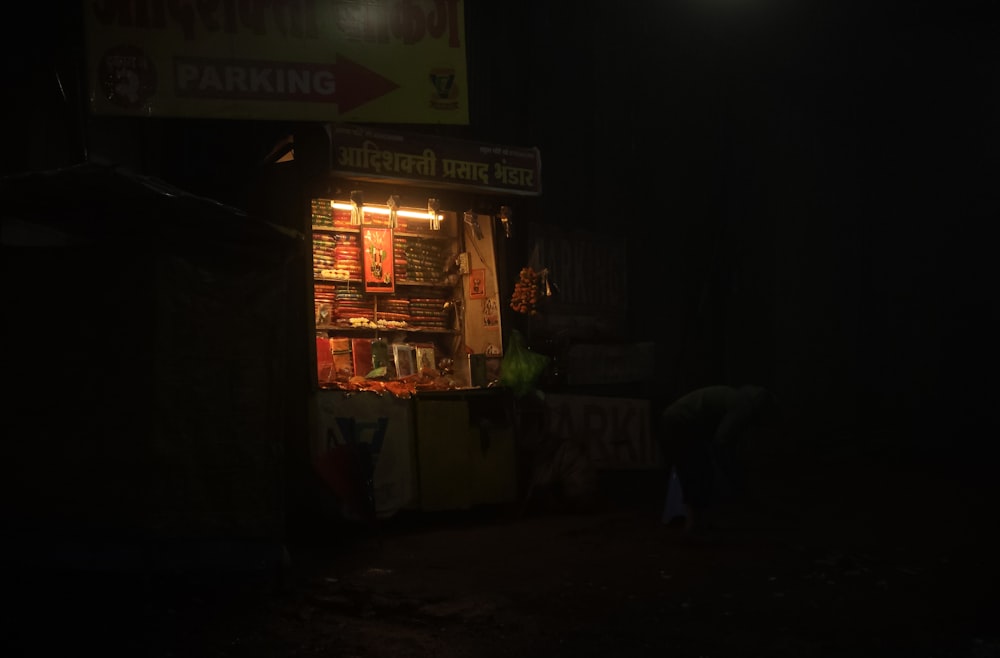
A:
[409,342]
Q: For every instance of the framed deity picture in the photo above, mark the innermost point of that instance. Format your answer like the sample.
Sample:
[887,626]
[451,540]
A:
[377,260]
[405,358]
[425,357]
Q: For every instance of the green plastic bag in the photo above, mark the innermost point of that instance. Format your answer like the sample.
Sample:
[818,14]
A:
[521,368]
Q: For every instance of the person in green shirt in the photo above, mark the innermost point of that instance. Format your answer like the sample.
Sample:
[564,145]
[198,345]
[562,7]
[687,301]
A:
[705,436]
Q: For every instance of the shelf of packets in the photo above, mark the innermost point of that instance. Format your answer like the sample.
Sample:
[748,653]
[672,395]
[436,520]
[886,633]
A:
[422,260]
[343,306]
[342,358]
[337,256]
[418,258]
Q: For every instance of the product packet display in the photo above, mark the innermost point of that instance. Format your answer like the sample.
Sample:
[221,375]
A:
[325,369]
[343,363]
[425,357]
[361,356]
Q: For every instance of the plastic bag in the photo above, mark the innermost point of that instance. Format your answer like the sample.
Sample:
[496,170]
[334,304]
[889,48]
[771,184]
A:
[521,368]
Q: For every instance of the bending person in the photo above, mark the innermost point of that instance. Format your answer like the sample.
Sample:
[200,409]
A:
[705,435]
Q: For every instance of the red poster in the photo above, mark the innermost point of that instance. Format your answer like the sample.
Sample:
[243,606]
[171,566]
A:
[477,284]
[377,266]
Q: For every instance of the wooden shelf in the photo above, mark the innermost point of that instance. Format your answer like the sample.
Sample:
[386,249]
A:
[444,288]
[409,284]
[427,235]
[361,330]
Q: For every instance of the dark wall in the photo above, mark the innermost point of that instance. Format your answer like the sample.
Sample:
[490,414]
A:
[806,187]
[807,191]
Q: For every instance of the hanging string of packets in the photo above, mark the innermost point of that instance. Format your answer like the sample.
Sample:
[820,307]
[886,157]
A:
[529,290]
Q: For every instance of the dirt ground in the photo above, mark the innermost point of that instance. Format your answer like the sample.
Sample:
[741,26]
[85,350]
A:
[840,560]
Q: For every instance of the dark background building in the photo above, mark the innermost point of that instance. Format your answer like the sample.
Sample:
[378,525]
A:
[806,188]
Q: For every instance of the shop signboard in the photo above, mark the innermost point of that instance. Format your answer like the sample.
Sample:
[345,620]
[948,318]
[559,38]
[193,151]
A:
[377,61]
[616,431]
[367,153]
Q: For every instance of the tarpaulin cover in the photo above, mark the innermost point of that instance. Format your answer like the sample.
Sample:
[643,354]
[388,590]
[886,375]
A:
[145,351]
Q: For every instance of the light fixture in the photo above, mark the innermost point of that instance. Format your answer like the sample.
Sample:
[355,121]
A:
[456,306]
[393,204]
[505,216]
[472,220]
[433,209]
[357,207]
[387,211]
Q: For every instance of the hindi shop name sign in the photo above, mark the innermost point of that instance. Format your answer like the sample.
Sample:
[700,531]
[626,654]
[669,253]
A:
[616,431]
[360,152]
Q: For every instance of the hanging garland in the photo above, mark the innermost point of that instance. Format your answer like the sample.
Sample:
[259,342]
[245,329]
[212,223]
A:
[529,290]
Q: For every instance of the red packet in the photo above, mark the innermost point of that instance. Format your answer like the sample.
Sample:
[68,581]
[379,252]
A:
[340,349]
[324,360]
[361,353]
